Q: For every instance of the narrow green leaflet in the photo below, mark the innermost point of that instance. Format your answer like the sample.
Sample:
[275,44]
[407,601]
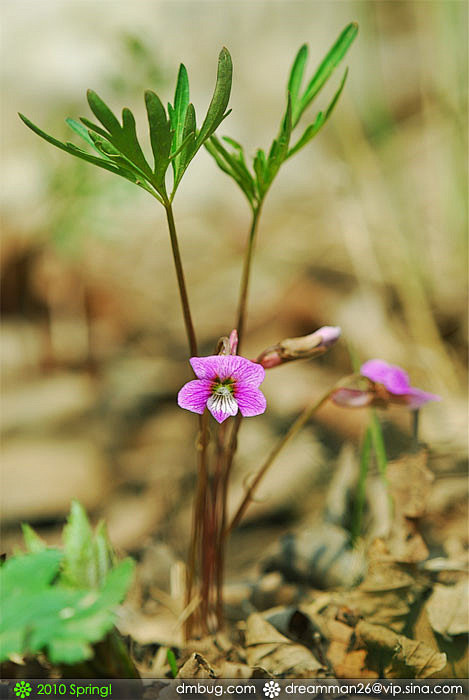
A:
[221,96]
[330,62]
[321,118]
[74,151]
[296,73]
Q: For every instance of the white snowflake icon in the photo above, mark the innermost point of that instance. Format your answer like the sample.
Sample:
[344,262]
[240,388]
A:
[271,689]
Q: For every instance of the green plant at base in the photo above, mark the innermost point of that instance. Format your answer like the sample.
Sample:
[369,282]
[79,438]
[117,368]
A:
[61,602]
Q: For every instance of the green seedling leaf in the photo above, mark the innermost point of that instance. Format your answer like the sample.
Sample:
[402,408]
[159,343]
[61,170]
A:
[40,614]
[323,73]
[296,73]
[221,96]
[172,662]
[88,556]
[33,542]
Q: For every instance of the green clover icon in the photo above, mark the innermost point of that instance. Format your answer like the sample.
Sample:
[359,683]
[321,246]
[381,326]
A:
[22,689]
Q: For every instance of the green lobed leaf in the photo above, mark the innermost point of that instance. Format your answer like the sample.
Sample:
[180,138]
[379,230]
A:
[326,68]
[127,142]
[40,614]
[160,134]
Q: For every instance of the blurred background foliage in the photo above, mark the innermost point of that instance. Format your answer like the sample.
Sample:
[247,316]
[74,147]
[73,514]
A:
[365,228]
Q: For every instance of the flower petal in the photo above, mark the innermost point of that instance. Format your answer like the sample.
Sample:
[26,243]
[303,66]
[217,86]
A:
[251,401]
[221,406]
[194,395]
[226,366]
[206,367]
[394,378]
[417,397]
[352,398]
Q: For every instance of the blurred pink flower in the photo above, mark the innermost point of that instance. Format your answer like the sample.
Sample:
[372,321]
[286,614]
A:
[388,384]
[225,384]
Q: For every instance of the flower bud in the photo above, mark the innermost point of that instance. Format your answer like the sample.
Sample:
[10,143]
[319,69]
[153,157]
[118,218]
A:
[299,348]
[227,346]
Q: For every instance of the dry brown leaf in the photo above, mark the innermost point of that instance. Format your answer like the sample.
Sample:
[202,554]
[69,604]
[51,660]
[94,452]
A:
[388,591]
[196,666]
[400,656]
[267,648]
[410,483]
[448,609]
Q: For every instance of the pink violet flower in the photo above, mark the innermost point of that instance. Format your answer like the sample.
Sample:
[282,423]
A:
[224,384]
[388,384]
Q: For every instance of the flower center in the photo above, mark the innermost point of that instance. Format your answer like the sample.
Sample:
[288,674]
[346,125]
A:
[223,388]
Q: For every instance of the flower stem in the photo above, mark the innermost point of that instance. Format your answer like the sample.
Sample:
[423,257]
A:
[295,428]
[181,281]
[361,486]
[244,289]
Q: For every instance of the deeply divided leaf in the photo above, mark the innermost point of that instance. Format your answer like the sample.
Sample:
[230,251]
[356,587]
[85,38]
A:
[330,62]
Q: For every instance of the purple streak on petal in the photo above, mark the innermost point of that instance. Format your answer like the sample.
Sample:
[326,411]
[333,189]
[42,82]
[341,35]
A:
[417,397]
[352,398]
[194,395]
[251,401]
[222,406]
